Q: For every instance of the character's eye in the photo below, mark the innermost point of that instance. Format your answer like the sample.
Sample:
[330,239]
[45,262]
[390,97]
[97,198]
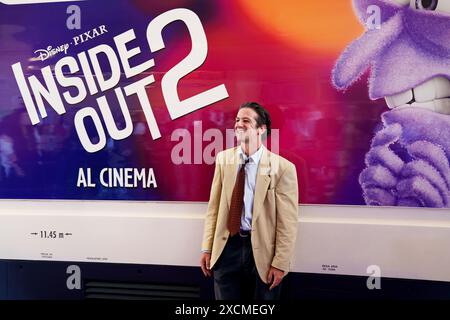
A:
[432,5]
[427,4]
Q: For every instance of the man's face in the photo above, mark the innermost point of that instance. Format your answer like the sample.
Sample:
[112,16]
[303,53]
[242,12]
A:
[245,126]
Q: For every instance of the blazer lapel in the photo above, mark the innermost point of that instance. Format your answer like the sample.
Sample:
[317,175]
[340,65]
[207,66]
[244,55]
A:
[262,183]
[230,174]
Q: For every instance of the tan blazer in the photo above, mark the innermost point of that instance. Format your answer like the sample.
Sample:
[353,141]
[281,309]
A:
[275,210]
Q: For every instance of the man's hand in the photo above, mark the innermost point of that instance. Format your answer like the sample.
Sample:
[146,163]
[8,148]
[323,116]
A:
[274,277]
[205,259]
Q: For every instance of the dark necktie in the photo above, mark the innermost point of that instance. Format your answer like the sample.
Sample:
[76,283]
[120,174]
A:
[237,202]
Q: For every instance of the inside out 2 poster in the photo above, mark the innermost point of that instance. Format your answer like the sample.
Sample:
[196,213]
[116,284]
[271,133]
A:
[133,99]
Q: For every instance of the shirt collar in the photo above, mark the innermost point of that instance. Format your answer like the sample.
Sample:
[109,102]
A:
[254,158]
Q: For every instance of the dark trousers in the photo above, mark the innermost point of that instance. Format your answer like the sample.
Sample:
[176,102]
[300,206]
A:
[235,274]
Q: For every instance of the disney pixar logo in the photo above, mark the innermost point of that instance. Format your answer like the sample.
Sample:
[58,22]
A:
[44,54]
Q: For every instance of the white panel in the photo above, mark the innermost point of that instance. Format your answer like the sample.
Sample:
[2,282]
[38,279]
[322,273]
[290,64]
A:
[404,242]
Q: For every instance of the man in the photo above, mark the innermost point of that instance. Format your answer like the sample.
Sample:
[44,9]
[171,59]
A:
[251,221]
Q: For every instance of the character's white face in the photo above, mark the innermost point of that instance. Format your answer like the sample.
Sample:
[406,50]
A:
[431,5]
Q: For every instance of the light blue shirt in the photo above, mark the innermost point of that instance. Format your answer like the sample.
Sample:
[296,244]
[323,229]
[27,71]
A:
[251,169]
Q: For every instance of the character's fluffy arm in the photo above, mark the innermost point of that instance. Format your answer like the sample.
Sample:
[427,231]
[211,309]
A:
[423,180]
[380,178]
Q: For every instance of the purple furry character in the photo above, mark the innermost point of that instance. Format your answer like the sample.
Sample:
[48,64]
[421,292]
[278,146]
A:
[409,57]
